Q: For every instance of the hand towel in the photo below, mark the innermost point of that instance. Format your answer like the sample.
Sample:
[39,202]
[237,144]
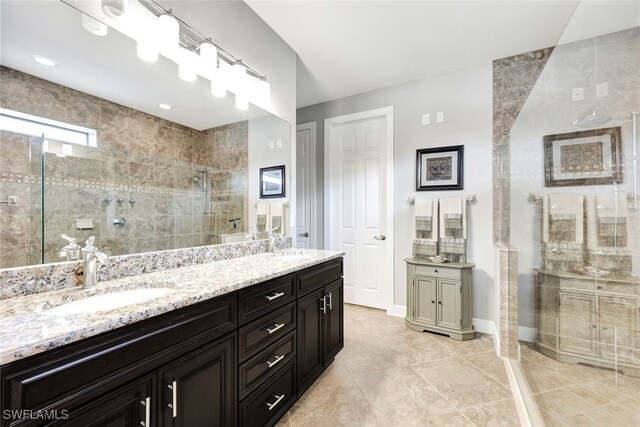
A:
[276,211]
[424,221]
[262,213]
[601,209]
[453,213]
[561,207]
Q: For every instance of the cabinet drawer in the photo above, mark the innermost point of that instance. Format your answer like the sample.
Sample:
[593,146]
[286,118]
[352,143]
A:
[265,406]
[258,300]
[266,363]
[265,331]
[449,273]
[319,275]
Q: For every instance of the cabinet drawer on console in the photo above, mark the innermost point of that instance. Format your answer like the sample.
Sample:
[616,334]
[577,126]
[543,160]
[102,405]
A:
[319,275]
[264,364]
[260,299]
[267,404]
[449,273]
[262,332]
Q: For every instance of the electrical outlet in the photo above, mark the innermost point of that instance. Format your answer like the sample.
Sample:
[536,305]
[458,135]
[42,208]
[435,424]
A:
[270,144]
[602,90]
[577,94]
[440,116]
[279,143]
[426,119]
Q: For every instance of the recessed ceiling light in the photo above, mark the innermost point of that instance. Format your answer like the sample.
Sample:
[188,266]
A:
[44,61]
[166,106]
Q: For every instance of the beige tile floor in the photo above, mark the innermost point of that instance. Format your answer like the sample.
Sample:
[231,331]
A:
[578,395]
[388,375]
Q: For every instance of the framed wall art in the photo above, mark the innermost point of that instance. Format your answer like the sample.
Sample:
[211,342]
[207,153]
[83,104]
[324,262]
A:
[590,157]
[272,182]
[440,168]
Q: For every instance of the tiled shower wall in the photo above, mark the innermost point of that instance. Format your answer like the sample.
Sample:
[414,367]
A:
[146,161]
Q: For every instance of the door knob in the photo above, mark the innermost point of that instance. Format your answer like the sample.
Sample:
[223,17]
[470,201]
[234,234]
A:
[380,237]
[303,234]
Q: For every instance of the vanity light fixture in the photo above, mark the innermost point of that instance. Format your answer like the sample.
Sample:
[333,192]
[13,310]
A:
[43,60]
[147,40]
[168,32]
[188,65]
[114,8]
[165,106]
[218,89]
[94,26]
[208,57]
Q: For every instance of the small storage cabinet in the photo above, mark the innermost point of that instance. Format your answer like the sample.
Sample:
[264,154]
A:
[439,298]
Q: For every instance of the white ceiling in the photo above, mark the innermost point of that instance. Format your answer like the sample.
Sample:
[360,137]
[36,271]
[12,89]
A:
[350,47]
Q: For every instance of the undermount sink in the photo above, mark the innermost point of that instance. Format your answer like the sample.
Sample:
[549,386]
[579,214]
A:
[109,301]
[293,255]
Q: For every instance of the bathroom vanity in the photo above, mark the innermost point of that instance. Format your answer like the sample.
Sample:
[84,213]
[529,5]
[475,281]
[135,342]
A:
[590,320]
[235,343]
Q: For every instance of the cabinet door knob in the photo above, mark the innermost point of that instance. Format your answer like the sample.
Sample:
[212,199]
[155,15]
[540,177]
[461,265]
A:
[436,270]
[274,404]
[275,362]
[433,302]
[440,302]
[276,326]
[174,405]
[147,412]
[276,295]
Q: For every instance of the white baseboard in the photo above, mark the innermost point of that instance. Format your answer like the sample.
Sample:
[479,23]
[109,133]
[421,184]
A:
[526,334]
[483,326]
[397,311]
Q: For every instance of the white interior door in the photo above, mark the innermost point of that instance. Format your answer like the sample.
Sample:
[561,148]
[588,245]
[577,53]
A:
[358,153]
[305,185]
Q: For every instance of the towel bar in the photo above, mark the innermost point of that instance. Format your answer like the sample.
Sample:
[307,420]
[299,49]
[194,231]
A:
[471,200]
[285,204]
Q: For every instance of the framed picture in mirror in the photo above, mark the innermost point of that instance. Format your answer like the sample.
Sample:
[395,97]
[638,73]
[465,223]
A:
[272,182]
[589,157]
[440,168]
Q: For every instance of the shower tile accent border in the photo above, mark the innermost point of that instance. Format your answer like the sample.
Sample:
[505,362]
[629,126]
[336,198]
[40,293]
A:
[35,279]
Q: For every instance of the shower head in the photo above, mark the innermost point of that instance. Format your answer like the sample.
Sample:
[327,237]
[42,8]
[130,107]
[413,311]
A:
[200,183]
[591,119]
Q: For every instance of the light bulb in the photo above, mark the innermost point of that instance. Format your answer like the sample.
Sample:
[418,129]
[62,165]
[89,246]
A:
[263,92]
[114,8]
[188,66]
[93,26]
[208,57]
[147,50]
[239,73]
[242,100]
[168,33]
[218,88]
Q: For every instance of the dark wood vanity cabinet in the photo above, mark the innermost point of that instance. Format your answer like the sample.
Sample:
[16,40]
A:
[320,322]
[239,359]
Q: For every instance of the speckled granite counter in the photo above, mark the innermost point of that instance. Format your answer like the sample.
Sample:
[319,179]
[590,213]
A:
[26,329]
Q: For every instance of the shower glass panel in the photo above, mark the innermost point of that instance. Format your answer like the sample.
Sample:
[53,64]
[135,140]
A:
[575,222]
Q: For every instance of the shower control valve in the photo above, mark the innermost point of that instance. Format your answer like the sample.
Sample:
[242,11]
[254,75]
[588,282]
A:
[132,202]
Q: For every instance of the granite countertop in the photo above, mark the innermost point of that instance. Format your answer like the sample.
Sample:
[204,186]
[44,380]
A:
[26,329]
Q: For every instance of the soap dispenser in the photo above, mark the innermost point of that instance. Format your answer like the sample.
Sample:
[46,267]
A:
[71,251]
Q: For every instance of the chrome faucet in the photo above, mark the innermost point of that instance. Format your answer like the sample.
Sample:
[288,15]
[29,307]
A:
[252,234]
[72,251]
[92,256]
[273,237]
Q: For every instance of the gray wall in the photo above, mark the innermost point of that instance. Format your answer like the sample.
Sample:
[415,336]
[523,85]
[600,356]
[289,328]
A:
[466,99]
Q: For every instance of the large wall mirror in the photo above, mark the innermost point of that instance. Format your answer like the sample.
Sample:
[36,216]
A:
[96,142]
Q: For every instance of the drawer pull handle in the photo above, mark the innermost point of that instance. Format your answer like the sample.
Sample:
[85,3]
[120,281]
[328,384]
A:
[330,301]
[174,405]
[275,362]
[274,404]
[274,296]
[275,328]
[147,412]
